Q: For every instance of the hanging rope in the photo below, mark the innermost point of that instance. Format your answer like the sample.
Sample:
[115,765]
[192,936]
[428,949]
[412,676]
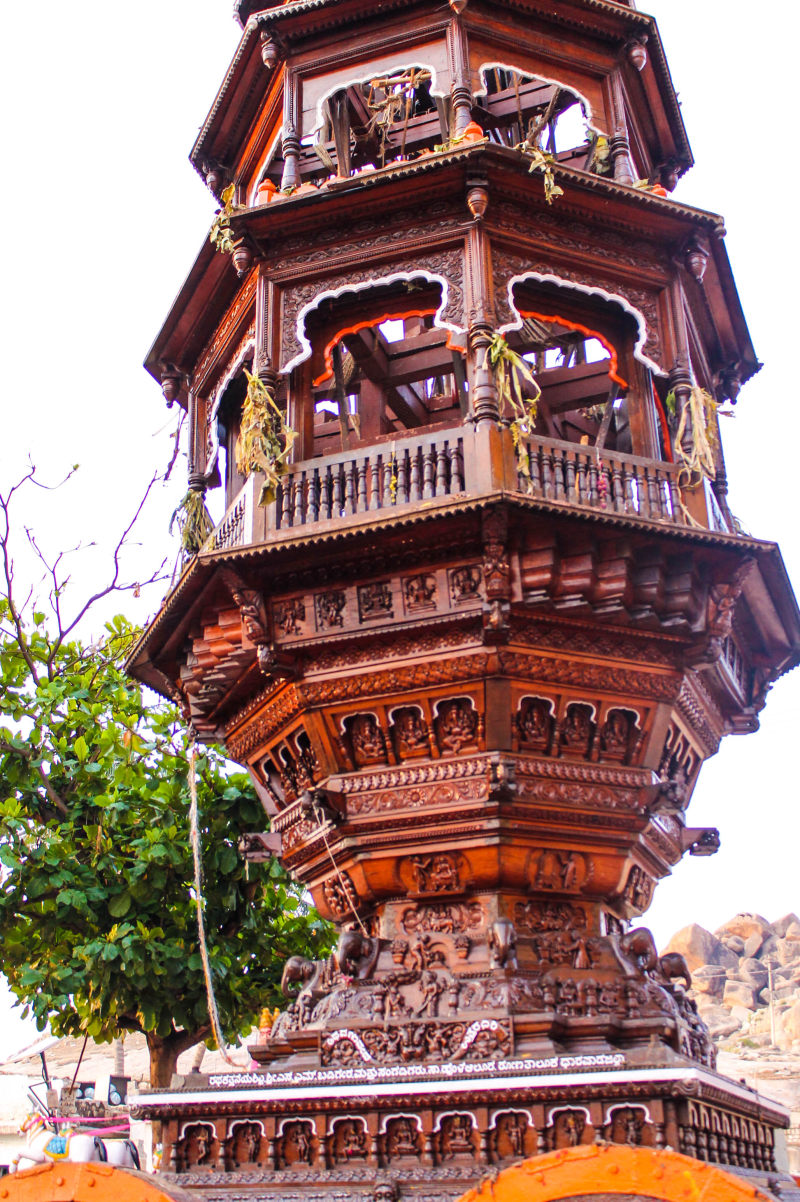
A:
[345,890]
[213,1012]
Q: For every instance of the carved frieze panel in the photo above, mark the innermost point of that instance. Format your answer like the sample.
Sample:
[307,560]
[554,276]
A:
[364,741]
[638,891]
[578,730]
[450,793]
[440,872]
[465,584]
[448,918]
[482,1039]
[420,592]
[537,916]
[340,895]
[375,601]
[289,617]
[559,870]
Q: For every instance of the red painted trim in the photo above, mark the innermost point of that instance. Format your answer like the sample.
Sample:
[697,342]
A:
[576,325]
[376,321]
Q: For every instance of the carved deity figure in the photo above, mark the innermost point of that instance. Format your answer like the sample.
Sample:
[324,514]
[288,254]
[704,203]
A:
[242,1146]
[576,733]
[616,733]
[465,583]
[457,1136]
[419,591]
[410,733]
[401,1138]
[251,607]
[367,739]
[435,874]
[568,1129]
[511,1130]
[432,987]
[457,725]
[329,608]
[535,722]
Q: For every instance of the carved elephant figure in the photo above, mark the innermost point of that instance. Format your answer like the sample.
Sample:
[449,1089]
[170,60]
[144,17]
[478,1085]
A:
[502,941]
[673,967]
[639,950]
[300,970]
[356,954]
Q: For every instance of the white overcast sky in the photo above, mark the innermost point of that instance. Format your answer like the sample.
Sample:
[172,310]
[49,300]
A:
[103,216]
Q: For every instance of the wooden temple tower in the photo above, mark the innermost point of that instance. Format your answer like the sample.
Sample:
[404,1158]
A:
[473,655]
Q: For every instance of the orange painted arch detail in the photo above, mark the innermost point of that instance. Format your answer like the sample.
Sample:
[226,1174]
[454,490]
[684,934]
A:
[614,1169]
[93,1182]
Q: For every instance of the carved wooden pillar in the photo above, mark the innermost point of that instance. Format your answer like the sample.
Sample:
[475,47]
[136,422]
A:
[460,83]
[618,142]
[480,316]
[290,143]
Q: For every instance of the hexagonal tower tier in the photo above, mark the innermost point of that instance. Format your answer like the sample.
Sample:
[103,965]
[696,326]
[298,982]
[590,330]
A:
[477,611]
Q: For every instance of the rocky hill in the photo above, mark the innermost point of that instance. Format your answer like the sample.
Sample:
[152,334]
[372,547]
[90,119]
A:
[746,980]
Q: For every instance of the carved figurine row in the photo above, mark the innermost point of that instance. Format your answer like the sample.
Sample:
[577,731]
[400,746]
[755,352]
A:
[401,1141]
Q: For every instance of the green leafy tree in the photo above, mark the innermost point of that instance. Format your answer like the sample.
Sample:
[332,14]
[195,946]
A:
[97,907]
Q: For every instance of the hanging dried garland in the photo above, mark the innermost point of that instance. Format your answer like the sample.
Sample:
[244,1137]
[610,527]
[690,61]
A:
[220,235]
[193,521]
[698,461]
[265,440]
[541,160]
[510,369]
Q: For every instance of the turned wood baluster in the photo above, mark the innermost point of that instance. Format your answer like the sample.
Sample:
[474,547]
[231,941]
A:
[558,475]
[362,485]
[442,488]
[615,483]
[402,477]
[351,481]
[388,471]
[674,496]
[569,483]
[429,468]
[312,513]
[547,476]
[457,467]
[534,466]
[592,497]
[286,502]
[415,493]
[581,479]
[298,483]
[326,497]
[338,491]
[374,481]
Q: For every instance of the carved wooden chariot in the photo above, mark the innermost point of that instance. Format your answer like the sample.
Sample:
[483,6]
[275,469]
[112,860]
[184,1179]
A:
[479,640]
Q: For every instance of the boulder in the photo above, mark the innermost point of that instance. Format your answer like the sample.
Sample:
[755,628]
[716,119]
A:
[734,943]
[738,994]
[719,1022]
[782,925]
[789,1026]
[700,947]
[745,925]
[793,932]
[709,979]
[753,973]
[752,946]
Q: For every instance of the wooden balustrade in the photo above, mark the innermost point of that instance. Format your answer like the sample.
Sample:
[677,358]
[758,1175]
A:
[625,484]
[424,468]
[404,472]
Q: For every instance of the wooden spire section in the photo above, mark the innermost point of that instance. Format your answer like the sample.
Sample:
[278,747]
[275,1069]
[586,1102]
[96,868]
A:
[478,610]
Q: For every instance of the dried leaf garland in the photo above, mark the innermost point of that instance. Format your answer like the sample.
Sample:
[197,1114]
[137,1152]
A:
[510,369]
[698,461]
[193,521]
[220,235]
[265,441]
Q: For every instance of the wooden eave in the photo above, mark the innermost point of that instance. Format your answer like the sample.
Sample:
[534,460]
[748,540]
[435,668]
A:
[780,634]
[245,82]
[718,312]
[208,290]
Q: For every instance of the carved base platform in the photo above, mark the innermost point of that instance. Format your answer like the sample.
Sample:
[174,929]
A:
[434,1130]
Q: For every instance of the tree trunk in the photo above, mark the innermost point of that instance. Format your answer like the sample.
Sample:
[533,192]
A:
[164,1053]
